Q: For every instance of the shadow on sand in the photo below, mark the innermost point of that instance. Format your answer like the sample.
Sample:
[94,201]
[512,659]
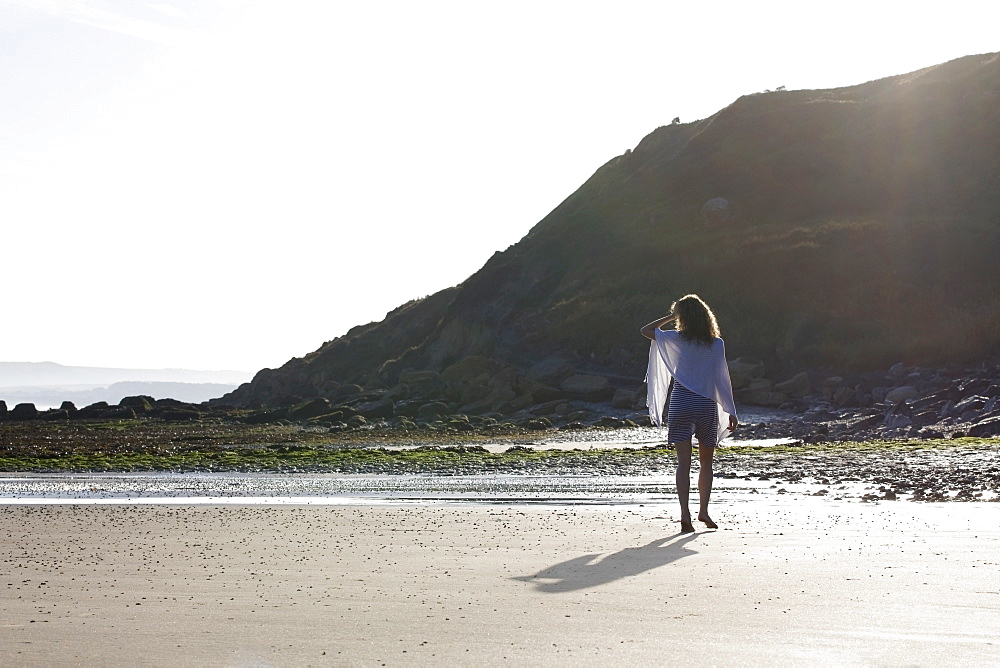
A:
[593,570]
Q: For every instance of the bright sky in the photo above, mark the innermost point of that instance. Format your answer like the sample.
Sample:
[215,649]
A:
[226,184]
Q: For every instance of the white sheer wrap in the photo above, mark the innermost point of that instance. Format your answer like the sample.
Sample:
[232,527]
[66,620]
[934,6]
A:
[700,368]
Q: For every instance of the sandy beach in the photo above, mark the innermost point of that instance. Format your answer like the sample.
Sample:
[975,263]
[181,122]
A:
[783,581]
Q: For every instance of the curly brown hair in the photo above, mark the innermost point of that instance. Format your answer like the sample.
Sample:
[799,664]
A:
[695,320]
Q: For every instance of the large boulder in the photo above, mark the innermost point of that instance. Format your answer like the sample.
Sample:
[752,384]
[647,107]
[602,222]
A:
[988,427]
[111,413]
[310,409]
[433,409]
[469,369]
[426,384]
[623,398]
[970,404]
[140,404]
[24,412]
[743,371]
[93,410]
[3,410]
[346,392]
[551,370]
[176,414]
[796,386]
[587,387]
[379,408]
[844,397]
[901,394]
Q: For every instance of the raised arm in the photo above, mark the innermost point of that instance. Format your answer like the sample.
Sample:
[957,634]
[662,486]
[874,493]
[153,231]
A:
[647,330]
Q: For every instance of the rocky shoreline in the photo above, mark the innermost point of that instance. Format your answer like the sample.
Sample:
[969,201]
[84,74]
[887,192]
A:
[811,406]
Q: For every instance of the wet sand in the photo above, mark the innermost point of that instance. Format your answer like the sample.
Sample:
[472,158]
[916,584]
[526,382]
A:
[789,580]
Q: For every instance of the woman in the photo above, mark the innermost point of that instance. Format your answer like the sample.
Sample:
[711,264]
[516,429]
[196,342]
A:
[688,365]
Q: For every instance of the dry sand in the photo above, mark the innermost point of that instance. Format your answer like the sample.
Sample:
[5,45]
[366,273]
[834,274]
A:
[784,581]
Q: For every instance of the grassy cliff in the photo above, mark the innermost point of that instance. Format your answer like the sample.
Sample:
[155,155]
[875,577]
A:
[846,228]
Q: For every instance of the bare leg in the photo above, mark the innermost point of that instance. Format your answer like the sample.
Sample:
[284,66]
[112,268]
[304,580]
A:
[683,480]
[705,457]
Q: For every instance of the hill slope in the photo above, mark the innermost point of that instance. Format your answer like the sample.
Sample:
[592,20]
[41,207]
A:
[847,228]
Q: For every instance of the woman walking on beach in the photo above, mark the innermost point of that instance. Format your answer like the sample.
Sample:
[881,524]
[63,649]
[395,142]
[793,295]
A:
[688,365]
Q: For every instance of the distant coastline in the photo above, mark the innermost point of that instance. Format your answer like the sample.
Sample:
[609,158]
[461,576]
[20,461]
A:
[44,397]
[48,384]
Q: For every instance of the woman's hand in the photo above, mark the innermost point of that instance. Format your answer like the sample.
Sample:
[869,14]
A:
[733,423]
[647,330]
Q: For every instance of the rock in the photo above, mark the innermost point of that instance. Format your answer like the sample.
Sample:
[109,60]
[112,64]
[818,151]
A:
[55,414]
[970,416]
[897,371]
[140,404]
[3,410]
[519,403]
[68,406]
[796,386]
[93,410]
[310,409]
[356,421]
[329,388]
[988,427]
[748,366]
[551,407]
[762,397]
[901,394]
[740,381]
[426,384]
[969,404]
[112,413]
[818,415]
[346,391]
[845,396]
[587,387]
[869,422]
[552,370]
[373,410]
[433,409]
[538,424]
[408,408]
[399,392]
[974,386]
[468,370]
[932,401]
[925,418]
[831,385]
[897,421]
[172,414]
[500,395]
[624,398]
[176,411]
[24,412]
[330,419]
[476,408]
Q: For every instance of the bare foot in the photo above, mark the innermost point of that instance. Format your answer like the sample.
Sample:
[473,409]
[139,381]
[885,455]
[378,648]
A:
[686,526]
[703,517]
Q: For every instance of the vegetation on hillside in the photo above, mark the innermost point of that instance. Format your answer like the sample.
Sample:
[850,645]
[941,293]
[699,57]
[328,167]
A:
[848,228]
